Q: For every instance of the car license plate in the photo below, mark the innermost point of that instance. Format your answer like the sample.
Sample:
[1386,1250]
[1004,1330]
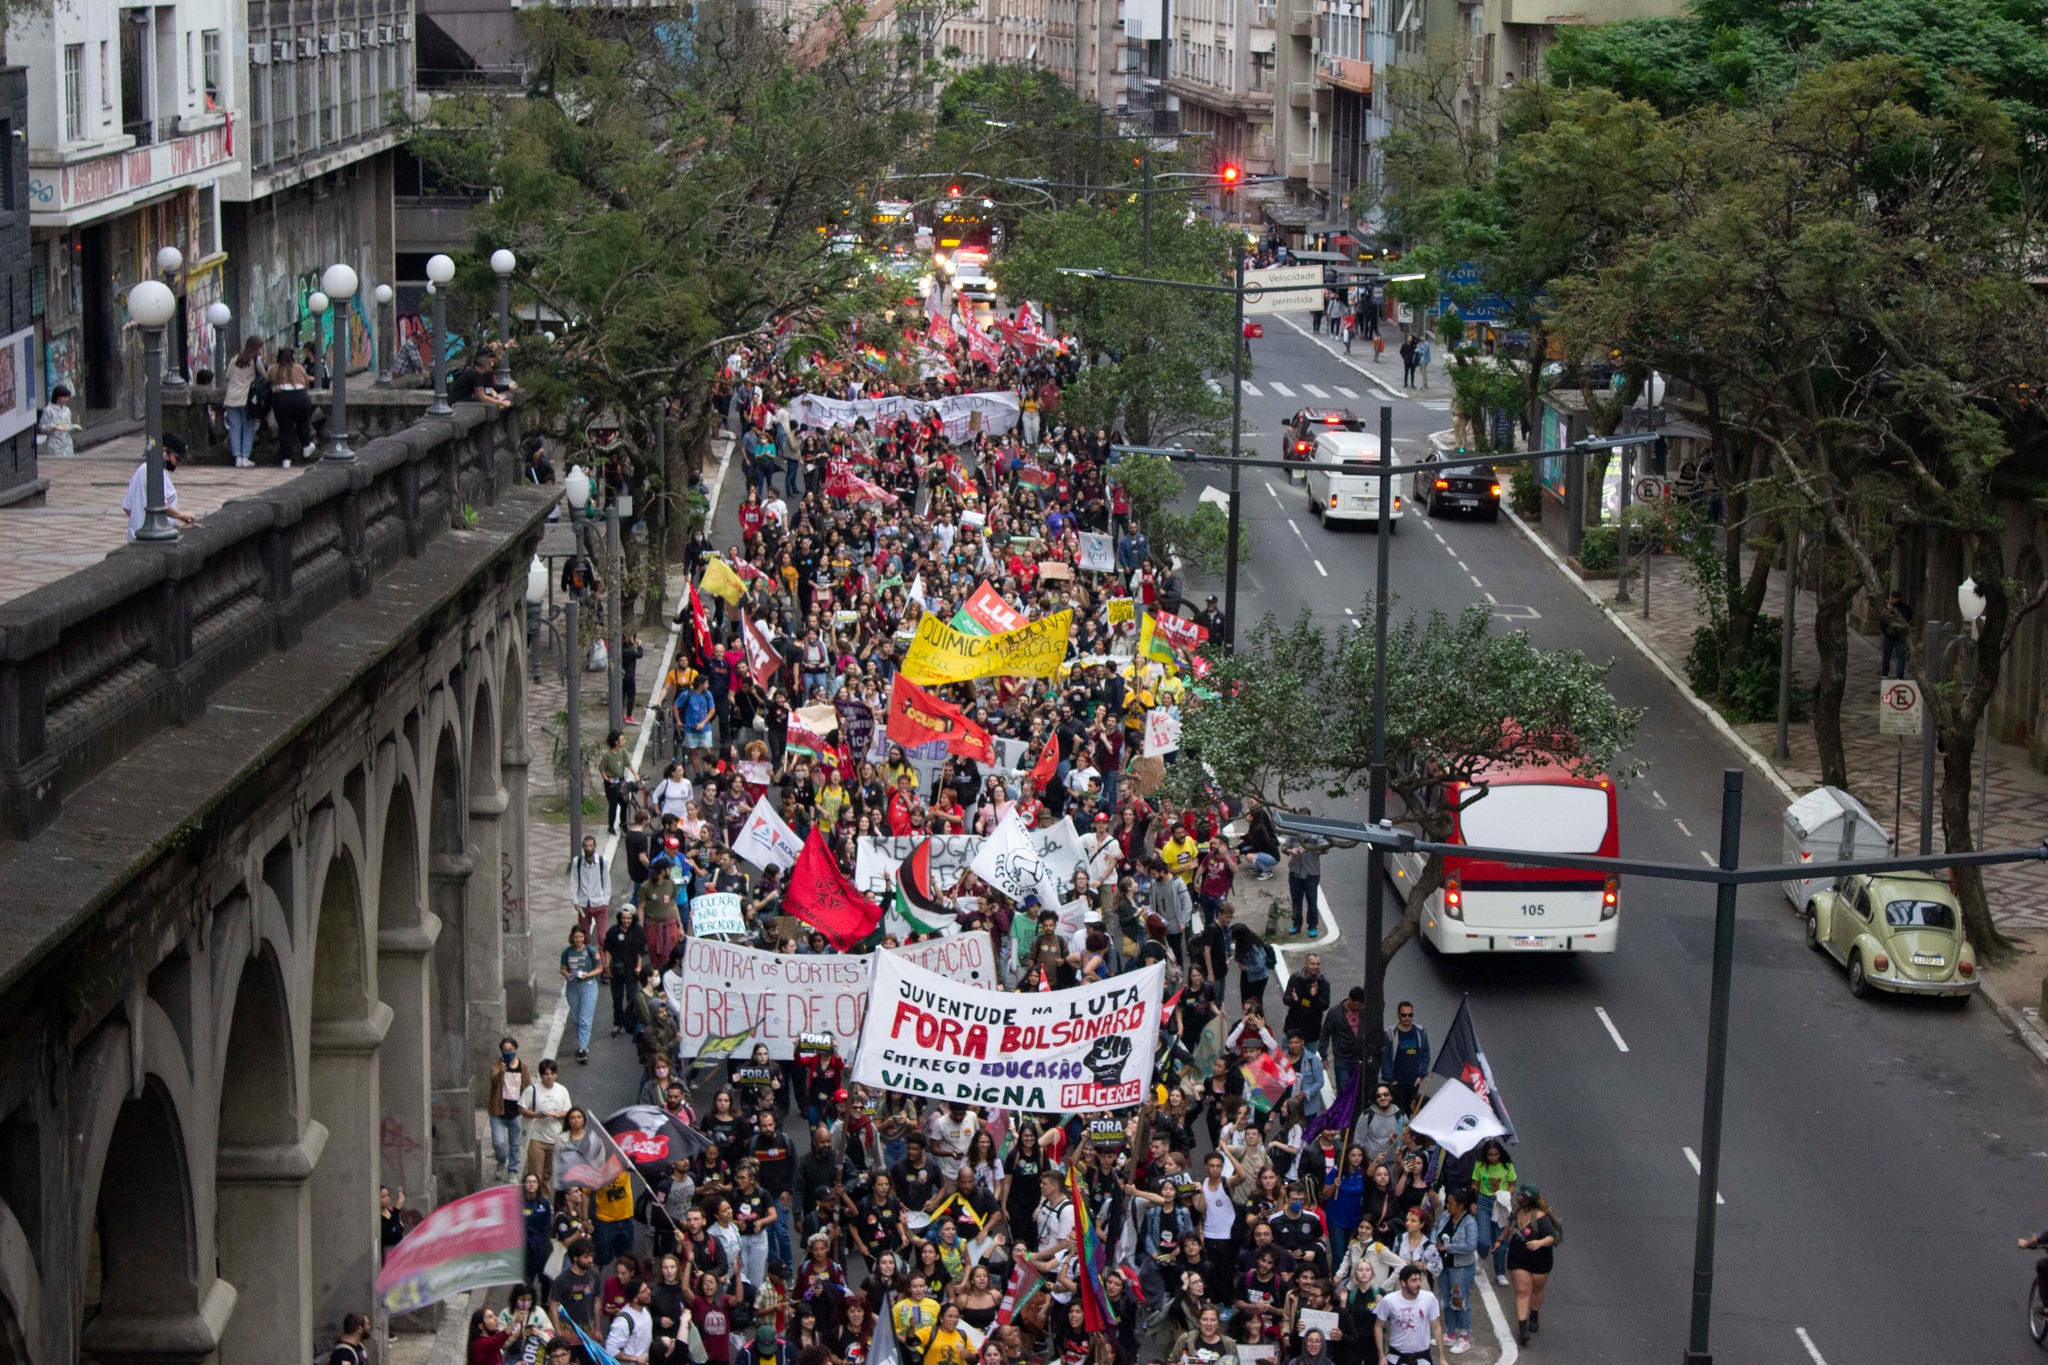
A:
[1530,941]
[1929,960]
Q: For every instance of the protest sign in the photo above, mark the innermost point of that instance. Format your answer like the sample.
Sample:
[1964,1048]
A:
[716,913]
[1122,610]
[1090,1047]
[766,841]
[1052,569]
[467,1243]
[992,612]
[1008,860]
[876,860]
[941,654]
[777,998]
[1162,732]
[1316,1320]
[1098,552]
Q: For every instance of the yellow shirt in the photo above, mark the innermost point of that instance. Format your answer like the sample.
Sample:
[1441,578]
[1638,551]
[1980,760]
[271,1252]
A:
[1180,856]
[947,1348]
[913,1316]
[615,1201]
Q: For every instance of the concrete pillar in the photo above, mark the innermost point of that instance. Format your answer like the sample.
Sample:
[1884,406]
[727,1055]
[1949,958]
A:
[520,995]
[458,1166]
[405,1063]
[344,1185]
[483,945]
[265,1222]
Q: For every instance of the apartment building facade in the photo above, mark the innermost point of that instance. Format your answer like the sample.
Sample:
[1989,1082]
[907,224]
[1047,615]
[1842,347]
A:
[1221,58]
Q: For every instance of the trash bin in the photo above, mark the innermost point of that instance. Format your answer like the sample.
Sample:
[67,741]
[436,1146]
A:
[1828,825]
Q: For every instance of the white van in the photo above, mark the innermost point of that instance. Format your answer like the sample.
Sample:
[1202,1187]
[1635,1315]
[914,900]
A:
[1337,495]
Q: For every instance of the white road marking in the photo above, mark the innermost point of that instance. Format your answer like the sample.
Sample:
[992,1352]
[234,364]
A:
[1282,390]
[1321,570]
[1463,565]
[1694,1158]
[1251,390]
[1299,536]
[1708,858]
[1349,612]
[1811,1349]
[1363,373]
[1274,491]
[1681,827]
[1475,579]
[1439,536]
[1313,391]
[1658,797]
[1447,548]
[1348,393]
[1492,601]
[1612,1031]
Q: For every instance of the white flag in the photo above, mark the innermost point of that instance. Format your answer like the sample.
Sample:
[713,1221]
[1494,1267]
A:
[767,841]
[1008,860]
[1458,1119]
[1162,732]
[1098,552]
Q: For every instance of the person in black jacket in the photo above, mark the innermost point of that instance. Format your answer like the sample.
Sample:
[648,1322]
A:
[625,945]
[1307,999]
[1344,1036]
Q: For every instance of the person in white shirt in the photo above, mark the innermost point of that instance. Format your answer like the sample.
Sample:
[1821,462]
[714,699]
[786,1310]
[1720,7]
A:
[1410,1323]
[673,794]
[135,502]
[590,887]
[1054,1221]
[543,1104]
[56,424]
[775,509]
[631,1339]
[951,1130]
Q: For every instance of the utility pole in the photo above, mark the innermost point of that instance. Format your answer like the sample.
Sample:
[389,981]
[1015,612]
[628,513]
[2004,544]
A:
[1376,797]
[1236,421]
[1697,1352]
[1145,206]
[572,661]
[614,568]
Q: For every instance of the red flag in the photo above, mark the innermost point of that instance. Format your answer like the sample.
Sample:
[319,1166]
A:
[940,333]
[821,896]
[918,717]
[1180,632]
[1048,765]
[763,660]
[700,627]
[842,483]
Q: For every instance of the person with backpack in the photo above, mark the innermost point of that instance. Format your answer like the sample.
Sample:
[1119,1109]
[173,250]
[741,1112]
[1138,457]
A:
[238,398]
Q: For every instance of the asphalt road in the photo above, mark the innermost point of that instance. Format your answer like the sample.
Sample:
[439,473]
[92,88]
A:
[1879,1158]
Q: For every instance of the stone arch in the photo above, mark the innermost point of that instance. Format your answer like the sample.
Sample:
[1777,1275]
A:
[406,933]
[348,1025]
[488,889]
[449,867]
[144,1282]
[21,1294]
[262,1198]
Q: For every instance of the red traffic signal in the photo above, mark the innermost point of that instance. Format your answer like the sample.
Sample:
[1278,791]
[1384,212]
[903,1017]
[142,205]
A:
[953,191]
[1230,177]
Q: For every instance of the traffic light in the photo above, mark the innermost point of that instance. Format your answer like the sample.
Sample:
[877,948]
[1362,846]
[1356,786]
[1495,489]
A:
[1230,177]
[953,191]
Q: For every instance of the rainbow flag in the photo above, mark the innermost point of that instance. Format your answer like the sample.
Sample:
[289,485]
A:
[1096,1314]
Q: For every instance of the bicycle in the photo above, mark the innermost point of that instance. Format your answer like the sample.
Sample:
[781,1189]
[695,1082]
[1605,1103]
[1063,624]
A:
[2037,1308]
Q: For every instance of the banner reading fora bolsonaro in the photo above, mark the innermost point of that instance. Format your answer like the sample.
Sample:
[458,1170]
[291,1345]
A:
[1087,1048]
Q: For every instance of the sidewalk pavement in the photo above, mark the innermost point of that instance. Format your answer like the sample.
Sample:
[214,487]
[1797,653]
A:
[80,521]
[2016,791]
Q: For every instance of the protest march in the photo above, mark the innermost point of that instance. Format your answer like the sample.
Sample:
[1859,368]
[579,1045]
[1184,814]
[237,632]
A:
[955,1047]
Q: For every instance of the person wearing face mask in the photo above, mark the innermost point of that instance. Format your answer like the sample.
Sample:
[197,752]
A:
[508,1079]
[1296,1228]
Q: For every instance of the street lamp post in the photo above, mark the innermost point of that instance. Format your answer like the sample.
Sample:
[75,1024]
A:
[218,316]
[1970,602]
[339,282]
[577,489]
[536,610]
[440,272]
[170,261]
[152,304]
[615,685]
[504,263]
[384,296]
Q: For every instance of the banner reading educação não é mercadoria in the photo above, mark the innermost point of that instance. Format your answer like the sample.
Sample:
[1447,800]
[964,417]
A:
[1090,1047]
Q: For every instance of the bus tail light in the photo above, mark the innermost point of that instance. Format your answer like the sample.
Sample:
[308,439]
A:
[1610,899]
[1454,901]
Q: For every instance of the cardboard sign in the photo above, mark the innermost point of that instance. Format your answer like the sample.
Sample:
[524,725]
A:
[716,913]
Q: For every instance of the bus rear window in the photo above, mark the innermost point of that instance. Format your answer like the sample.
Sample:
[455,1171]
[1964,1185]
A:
[1536,818]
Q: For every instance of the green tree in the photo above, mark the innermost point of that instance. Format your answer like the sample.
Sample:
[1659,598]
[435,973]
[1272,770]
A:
[670,187]
[1199,536]
[1464,702]
[1150,350]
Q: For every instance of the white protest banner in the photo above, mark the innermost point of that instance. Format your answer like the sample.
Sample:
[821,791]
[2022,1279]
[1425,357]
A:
[1162,732]
[716,913]
[1090,1047]
[1008,860]
[725,989]
[1098,552]
[1059,852]
[766,841]
[876,860]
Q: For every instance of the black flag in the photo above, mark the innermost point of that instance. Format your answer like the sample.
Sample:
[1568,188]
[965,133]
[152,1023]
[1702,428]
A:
[1463,1060]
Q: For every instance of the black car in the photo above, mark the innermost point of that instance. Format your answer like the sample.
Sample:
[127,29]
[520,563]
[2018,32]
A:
[1299,440]
[1460,488]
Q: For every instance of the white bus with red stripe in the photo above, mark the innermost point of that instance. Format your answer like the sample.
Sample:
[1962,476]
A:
[1499,906]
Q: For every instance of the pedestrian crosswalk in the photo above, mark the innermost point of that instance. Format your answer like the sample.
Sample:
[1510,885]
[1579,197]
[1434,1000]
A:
[1251,390]
[1348,393]
[1313,392]
[1282,390]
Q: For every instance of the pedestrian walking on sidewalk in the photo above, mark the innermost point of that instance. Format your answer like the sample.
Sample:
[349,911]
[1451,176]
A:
[1423,352]
[582,967]
[590,887]
[1408,362]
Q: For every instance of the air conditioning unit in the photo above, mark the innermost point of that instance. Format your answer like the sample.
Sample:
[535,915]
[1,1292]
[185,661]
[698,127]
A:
[366,38]
[327,42]
[348,41]
[281,50]
[308,47]
[383,34]
[405,32]
[259,54]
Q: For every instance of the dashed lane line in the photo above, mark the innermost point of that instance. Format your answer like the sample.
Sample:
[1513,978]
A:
[1612,1031]
[1321,570]
[1811,1349]
[1694,1158]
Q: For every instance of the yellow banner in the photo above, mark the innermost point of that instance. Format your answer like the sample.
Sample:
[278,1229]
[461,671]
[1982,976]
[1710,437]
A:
[720,581]
[941,654]
[1122,609]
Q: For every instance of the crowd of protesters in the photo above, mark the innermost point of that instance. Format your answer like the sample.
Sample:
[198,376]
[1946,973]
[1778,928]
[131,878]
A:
[1269,1201]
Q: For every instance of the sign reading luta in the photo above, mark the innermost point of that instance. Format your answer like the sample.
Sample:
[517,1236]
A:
[1091,1047]
[941,654]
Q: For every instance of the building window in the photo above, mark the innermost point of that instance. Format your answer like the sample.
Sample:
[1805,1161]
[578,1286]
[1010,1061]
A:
[74,92]
[106,78]
[259,115]
[209,62]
